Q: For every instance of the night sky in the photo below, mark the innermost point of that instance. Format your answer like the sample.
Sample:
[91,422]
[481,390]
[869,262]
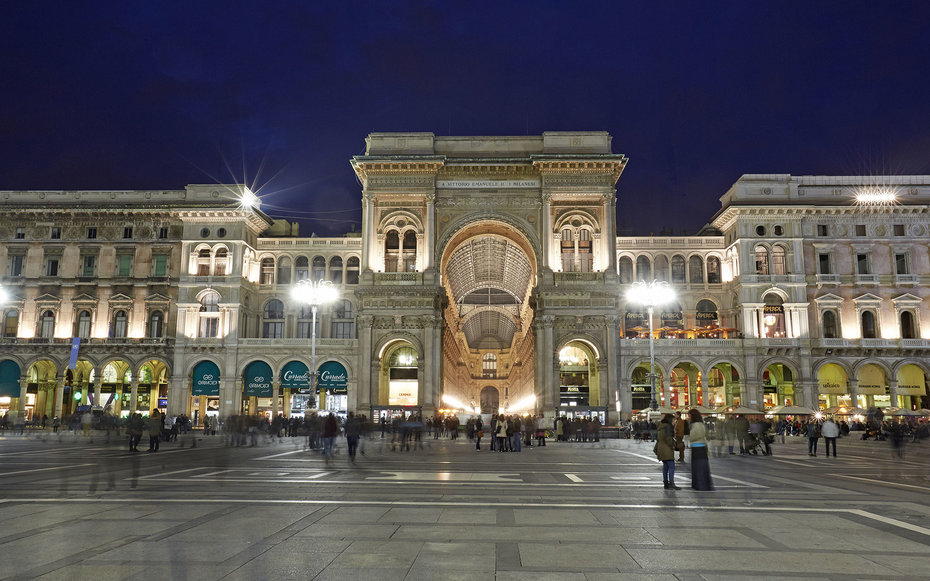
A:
[281,94]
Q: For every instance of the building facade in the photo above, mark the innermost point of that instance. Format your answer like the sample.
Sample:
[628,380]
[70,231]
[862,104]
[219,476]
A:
[487,276]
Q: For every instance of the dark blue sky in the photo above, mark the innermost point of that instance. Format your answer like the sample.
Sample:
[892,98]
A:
[156,95]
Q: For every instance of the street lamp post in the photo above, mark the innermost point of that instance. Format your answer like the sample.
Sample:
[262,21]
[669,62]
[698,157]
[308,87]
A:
[314,293]
[650,294]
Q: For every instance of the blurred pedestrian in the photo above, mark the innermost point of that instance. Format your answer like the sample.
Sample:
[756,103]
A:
[700,465]
[830,432]
[813,436]
[353,429]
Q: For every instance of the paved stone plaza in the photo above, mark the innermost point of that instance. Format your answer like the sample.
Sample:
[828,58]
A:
[73,509]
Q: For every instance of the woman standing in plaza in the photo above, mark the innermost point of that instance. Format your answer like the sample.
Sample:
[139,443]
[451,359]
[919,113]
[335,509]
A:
[700,466]
[665,451]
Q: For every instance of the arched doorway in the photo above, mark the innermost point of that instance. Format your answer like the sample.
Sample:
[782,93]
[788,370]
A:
[778,386]
[640,386]
[488,272]
[490,400]
[723,386]
[833,386]
[685,389]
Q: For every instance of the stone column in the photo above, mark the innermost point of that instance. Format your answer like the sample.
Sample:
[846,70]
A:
[893,385]
[230,397]
[433,337]
[98,384]
[609,230]
[854,392]
[610,379]
[545,403]
[59,395]
[363,364]
[430,229]
[275,391]
[546,225]
[134,394]
[179,390]
[368,229]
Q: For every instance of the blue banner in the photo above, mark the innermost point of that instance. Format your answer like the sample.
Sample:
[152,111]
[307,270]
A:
[75,347]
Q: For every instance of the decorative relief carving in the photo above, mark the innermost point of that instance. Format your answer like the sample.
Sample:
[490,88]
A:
[420,181]
[488,202]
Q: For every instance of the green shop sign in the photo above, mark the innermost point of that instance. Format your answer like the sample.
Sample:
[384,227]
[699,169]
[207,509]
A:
[333,377]
[206,379]
[257,379]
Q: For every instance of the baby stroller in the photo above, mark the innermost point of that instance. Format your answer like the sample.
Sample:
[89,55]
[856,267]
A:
[759,444]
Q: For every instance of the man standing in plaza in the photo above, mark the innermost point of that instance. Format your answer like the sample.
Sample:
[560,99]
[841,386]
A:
[830,432]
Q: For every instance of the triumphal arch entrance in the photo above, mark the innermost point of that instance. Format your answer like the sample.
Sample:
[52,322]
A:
[489,273]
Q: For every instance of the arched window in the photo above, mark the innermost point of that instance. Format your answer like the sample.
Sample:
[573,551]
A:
[643,269]
[119,325]
[678,269]
[773,317]
[284,270]
[304,322]
[203,262]
[568,250]
[335,269]
[156,325]
[352,270]
[661,263]
[489,365]
[705,314]
[318,272]
[779,266]
[762,260]
[267,271]
[696,270]
[47,325]
[829,325]
[868,325]
[273,320]
[343,324]
[11,323]
[410,251]
[302,267]
[908,329]
[626,270]
[713,270]
[585,253]
[221,262]
[391,251]
[210,315]
[83,325]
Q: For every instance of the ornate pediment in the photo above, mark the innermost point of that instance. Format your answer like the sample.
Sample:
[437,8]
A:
[867,298]
[85,300]
[48,300]
[156,298]
[828,299]
[120,299]
[906,299]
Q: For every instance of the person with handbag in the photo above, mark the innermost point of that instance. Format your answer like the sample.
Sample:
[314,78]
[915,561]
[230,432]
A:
[665,451]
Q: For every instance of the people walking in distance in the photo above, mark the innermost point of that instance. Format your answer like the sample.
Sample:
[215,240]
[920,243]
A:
[700,465]
[540,431]
[330,431]
[516,440]
[813,435]
[501,434]
[731,433]
[742,433]
[479,432]
[830,432]
[134,428]
[680,432]
[353,429]
[155,426]
[665,451]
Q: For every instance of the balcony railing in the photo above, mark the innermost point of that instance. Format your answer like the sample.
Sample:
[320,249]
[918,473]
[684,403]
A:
[290,342]
[867,279]
[828,279]
[906,279]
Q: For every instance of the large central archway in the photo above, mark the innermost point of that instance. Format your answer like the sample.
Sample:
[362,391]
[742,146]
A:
[488,272]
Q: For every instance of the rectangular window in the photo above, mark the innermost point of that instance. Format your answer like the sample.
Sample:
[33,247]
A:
[55,233]
[91,233]
[860,229]
[823,261]
[51,265]
[16,264]
[821,229]
[862,264]
[343,330]
[88,265]
[900,264]
[124,265]
[163,233]
[160,263]
[20,233]
[127,232]
[899,229]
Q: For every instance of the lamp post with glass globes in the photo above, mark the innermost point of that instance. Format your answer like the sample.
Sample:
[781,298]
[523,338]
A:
[651,294]
[314,293]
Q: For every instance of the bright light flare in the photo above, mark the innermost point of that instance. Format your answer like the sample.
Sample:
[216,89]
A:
[248,200]
[650,294]
[3,295]
[527,403]
[453,401]
[876,196]
[314,292]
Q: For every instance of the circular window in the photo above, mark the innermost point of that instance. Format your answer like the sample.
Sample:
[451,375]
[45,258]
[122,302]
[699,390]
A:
[779,231]
[204,232]
[760,230]
[221,232]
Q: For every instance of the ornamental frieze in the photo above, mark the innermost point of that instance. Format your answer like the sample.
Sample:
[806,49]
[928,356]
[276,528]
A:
[419,181]
[488,202]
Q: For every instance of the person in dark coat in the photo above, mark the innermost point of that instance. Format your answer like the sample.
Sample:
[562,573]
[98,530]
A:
[700,466]
[665,451]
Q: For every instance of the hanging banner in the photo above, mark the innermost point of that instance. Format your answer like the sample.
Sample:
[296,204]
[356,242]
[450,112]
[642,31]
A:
[871,381]
[9,378]
[705,318]
[671,319]
[333,377]
[831,379]
[634,319]
[773,310]
[206,379]
[75,347]
[911,381]
[257,380]
[295,375]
